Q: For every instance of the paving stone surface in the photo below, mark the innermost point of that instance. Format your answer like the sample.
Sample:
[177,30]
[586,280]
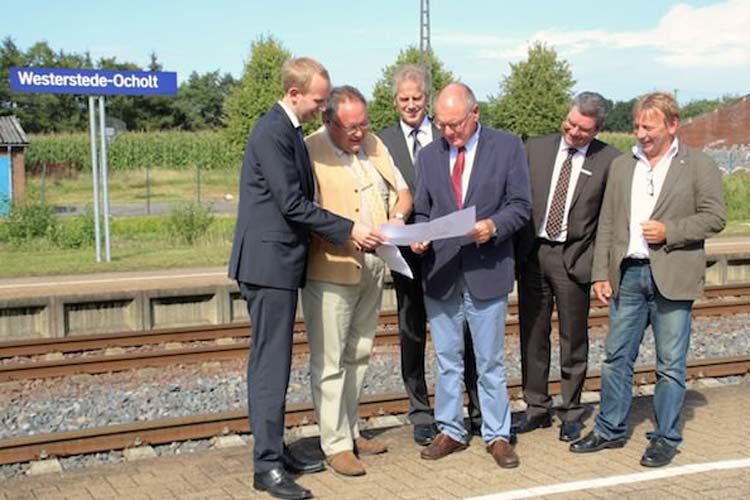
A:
[715,431]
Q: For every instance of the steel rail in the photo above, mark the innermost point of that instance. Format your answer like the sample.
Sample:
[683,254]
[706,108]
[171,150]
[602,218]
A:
[239,349]
[118,437]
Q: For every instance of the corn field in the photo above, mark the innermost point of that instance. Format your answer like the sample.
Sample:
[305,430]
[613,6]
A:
[136,150]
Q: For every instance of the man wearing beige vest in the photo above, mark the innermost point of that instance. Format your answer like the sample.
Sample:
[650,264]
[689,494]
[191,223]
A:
[356,178]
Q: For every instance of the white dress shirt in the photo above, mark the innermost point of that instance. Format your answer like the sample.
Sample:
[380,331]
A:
[647,184]
[575,172]
[424,135]
[469,153]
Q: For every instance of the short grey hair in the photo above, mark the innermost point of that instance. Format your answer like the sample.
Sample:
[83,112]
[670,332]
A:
[593,105]
[343,93]
[411,73]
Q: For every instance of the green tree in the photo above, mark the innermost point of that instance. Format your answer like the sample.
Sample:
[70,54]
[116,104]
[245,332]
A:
[200,100]
[381,110]
[620,116]
[702,106]
[535,96]
[259,87]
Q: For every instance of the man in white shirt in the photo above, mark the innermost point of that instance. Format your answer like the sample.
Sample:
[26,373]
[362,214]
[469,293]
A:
[661,203]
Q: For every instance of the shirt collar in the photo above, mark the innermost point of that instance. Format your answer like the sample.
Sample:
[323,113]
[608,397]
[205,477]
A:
[564,146]
[292,117]
[424,127]
[671,153]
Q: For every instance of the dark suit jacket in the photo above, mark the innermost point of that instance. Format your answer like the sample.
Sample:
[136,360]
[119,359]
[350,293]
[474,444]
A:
[690,204]
[394,140]
[276,212]
[499,189]
[578,250]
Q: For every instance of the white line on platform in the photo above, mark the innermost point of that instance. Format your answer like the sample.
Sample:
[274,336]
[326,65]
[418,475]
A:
[606,482]
[110,280]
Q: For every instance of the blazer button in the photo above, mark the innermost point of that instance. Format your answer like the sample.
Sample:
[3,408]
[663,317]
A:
[356,210]
[356,190]
[359,266]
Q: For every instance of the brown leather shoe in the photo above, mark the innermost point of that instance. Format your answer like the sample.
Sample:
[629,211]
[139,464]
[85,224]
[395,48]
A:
[346,464]
[442,446]
[503,453]
[364,446]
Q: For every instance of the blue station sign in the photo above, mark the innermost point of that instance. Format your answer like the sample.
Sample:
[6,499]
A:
[92,81]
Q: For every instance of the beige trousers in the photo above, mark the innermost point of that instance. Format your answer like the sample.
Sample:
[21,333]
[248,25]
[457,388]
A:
[341,322]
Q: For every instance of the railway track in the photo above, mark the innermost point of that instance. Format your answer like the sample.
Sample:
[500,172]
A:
[118,437]
[234,340]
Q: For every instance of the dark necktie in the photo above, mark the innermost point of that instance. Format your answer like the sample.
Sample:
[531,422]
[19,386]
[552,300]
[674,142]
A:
[416,145]
[557,207]
[458,172]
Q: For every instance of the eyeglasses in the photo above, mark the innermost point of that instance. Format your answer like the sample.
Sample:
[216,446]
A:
[455,125]
[650,180]
[353,129]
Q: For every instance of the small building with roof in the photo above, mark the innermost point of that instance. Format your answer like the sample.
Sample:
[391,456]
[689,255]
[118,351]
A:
[13,144]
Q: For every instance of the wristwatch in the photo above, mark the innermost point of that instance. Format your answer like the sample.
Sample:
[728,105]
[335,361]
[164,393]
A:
[398,215]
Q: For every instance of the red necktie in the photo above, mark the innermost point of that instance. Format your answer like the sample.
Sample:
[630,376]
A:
[458,172]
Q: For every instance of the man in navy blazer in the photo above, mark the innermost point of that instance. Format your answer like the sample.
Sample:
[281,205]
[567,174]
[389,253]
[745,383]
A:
[275,216]
[470,277]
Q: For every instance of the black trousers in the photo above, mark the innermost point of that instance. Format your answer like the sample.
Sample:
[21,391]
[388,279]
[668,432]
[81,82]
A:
[272,313]
[544,282]
[412,323]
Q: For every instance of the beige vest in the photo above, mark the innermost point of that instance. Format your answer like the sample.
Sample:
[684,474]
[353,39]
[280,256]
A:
[338,192]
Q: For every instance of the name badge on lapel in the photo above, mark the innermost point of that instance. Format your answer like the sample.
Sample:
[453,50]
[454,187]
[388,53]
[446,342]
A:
[585,172]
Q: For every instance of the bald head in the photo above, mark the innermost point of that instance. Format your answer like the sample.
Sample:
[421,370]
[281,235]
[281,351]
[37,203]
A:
[456,113]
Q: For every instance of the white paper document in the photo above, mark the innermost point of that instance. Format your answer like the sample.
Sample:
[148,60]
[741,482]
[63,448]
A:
[449,226]
[393,259]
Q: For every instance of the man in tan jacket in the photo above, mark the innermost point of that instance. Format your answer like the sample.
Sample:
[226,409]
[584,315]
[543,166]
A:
[355,178]
[661,203]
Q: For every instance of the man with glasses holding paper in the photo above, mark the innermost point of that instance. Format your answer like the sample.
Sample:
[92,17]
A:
[356,179]
[470,277]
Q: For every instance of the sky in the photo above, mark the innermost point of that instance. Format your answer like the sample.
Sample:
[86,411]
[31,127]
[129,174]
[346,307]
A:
[698,49]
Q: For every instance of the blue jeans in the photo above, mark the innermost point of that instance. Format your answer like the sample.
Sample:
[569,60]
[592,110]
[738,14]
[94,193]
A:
[487,324]
[637,305]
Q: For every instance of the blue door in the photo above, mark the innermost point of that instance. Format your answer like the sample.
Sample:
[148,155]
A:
[5,185]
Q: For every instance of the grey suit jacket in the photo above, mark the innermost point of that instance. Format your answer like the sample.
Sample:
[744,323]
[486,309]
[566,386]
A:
[690,204]
[394,140]
[583,213]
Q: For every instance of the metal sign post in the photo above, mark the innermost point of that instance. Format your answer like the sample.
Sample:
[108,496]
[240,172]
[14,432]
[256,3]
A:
[97,84]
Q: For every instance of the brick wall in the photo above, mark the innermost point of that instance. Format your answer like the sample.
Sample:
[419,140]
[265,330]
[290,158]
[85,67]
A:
[723,128]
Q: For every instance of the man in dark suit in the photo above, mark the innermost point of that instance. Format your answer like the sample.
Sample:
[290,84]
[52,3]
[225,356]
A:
[275,216]
[661,203]
[470,277]
[411,95]
[568,175]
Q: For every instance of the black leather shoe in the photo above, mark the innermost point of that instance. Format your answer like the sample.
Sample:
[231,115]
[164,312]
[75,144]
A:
[570,431]
[529,424]
[424,433]
[300,466]
[658,453]
[279,485]
[593,442]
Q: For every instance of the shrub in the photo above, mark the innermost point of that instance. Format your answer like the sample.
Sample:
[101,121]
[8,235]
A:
[75,232]
[190,221]
[30,221]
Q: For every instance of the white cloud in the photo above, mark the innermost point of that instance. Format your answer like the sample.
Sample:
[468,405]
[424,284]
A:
[685,37]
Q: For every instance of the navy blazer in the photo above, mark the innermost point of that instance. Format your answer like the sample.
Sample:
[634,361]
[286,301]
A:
[276,211]
[499,189]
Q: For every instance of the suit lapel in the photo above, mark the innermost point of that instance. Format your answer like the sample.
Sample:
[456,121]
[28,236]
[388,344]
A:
[590,165]
[477,165]
[671,180]
[303,162]
[445,170]
[543,177]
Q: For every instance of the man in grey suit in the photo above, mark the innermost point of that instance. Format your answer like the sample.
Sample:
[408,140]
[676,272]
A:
[411,95]
[661,203]
[275,216]
[568,174]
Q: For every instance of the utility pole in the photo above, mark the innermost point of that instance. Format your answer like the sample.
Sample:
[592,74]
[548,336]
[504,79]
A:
[425,51]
